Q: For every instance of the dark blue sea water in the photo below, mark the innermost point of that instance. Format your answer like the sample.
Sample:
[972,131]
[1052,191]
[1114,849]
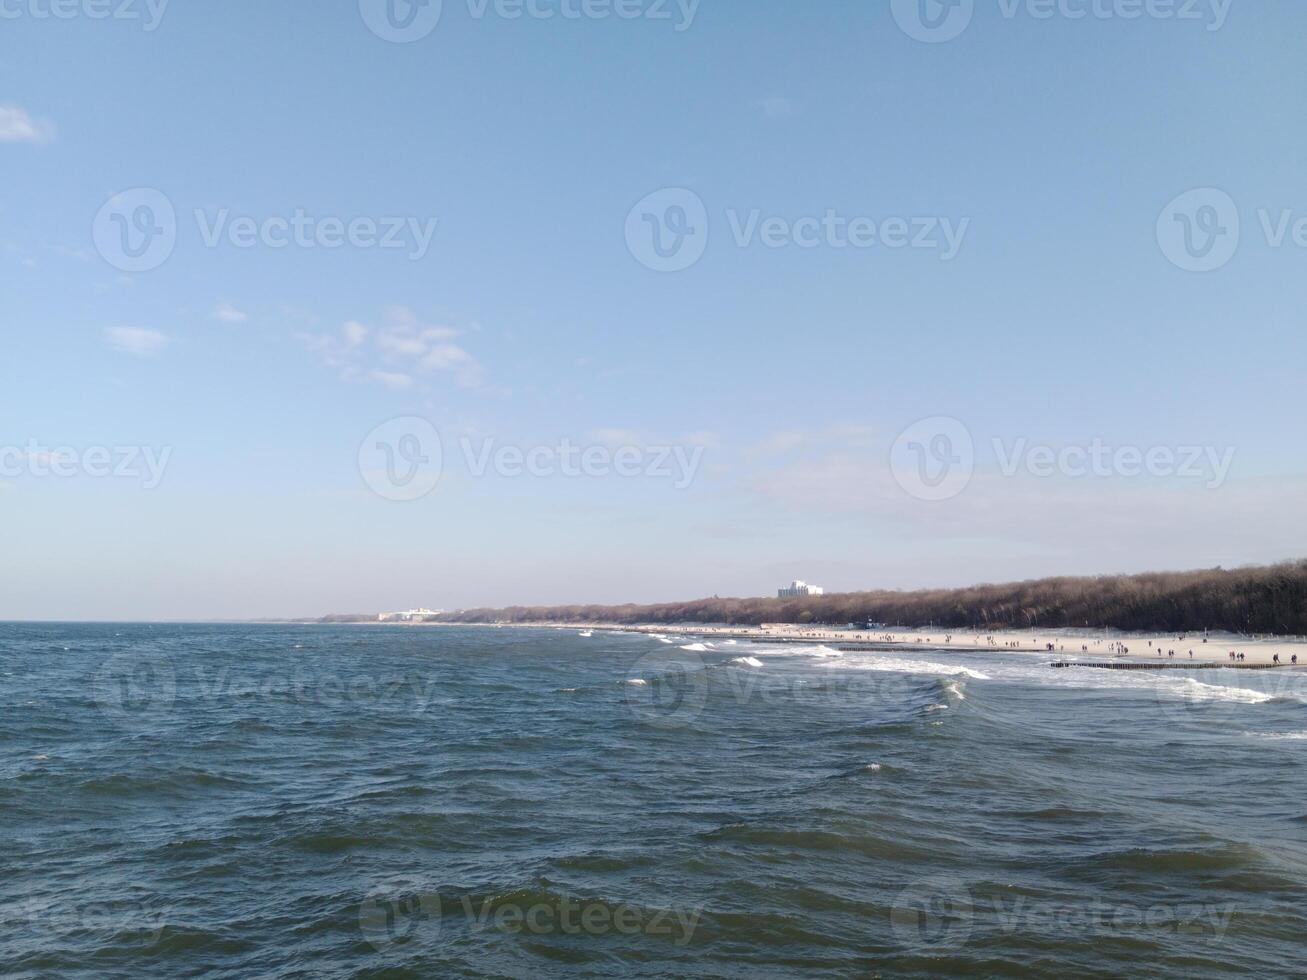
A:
[323,801]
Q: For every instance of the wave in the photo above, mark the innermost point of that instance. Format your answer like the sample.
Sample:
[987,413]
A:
[695,648]
[916,667]
[747,661]
[1279,736]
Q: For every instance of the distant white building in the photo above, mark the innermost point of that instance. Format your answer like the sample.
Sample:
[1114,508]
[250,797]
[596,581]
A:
[798,590]
[408,615]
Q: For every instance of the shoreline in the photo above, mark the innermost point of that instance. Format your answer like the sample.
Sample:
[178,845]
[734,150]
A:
[1066,644]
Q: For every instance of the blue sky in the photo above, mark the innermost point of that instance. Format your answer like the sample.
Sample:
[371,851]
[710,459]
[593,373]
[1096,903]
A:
[793,376]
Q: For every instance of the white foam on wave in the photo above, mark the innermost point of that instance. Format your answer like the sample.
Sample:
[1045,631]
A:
[1279,736]
[748,661]
[872,767]
[637,682]
[1195,690]
[901,666]
[695,648]
[663,639]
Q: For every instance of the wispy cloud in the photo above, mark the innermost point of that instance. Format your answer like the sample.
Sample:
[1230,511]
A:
[396,353]
[16,126]
[226,313]
[776,107]
[136,340]
[391,379]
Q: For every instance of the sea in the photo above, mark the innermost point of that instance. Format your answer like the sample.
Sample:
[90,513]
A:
[391,801]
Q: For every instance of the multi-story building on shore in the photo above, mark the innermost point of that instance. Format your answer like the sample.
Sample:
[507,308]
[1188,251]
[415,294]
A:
[799,590]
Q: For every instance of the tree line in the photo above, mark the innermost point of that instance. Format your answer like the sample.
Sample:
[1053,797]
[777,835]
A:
[1265,599]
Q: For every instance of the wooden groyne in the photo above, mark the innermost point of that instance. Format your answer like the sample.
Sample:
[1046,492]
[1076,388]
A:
[1116,665]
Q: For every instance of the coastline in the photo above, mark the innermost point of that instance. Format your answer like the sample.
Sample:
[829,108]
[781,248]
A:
[1076,645]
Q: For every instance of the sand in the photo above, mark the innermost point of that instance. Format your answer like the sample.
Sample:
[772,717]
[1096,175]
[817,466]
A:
[1067,644]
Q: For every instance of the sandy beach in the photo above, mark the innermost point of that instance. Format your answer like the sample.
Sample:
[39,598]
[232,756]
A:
[1061,644]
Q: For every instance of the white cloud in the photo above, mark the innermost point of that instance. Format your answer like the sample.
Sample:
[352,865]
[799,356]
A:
[16,126]
[136,340]
[226,313]
[397,351]
[354,334]
[391,379]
